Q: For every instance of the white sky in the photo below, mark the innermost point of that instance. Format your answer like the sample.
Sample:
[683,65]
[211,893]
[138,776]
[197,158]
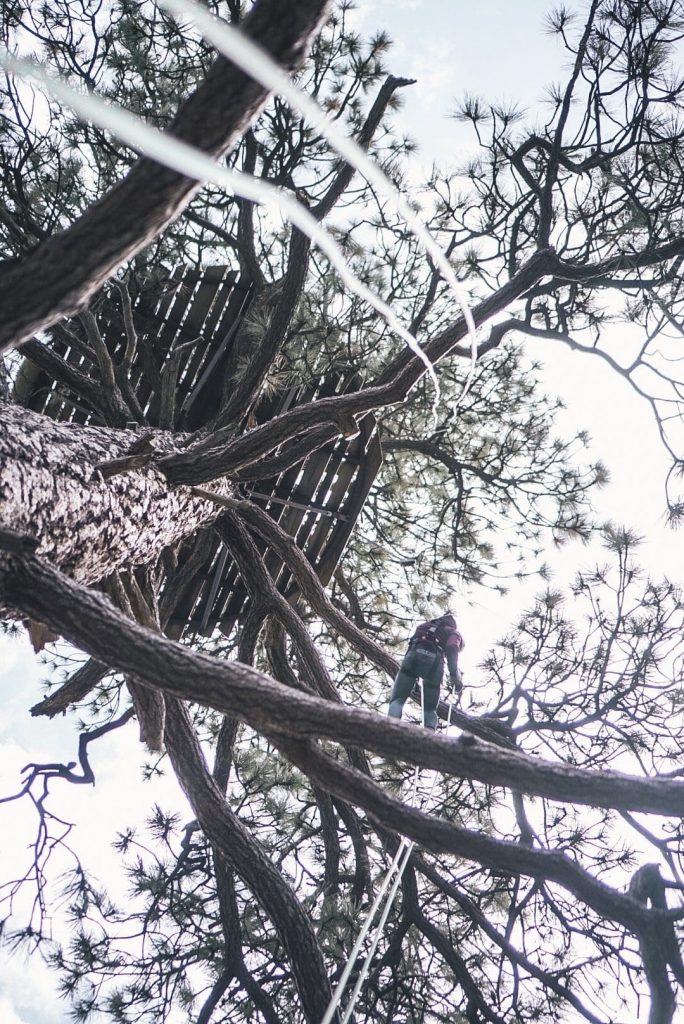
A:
[496,49]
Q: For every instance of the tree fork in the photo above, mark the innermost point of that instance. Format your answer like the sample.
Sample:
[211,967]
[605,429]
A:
[51,491]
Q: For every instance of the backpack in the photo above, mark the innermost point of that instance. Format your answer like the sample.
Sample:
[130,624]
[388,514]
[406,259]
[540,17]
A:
[429,632]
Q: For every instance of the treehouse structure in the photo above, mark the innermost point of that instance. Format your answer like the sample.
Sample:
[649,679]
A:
[187,324]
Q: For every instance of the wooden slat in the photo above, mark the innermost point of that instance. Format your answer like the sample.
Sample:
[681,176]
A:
[195,325]
[183,323]
[335,479]
[328,478]
[210,376]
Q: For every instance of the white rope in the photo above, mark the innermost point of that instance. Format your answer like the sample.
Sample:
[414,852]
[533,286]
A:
[398,866]
[405,849]
[378,932]
[193,163]
[258,65]
[368,920]
[353,956]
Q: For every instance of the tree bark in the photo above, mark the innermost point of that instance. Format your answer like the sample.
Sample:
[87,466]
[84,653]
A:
[85,525]
[231,839]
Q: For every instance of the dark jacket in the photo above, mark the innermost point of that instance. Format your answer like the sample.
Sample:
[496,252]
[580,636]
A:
[441,635]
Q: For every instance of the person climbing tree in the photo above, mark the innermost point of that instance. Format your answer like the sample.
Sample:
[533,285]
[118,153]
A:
[424,660]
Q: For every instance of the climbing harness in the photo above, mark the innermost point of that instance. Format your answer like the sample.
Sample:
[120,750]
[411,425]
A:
[428,634]
[396,872]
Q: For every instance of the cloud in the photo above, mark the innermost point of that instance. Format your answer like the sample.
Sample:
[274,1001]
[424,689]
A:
[34,1003]
[7,1014]
[437,75]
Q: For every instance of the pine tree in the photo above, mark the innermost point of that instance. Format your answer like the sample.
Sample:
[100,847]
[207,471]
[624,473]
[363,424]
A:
[526,896]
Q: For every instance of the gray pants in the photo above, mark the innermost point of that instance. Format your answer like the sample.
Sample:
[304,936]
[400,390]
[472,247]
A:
[419,663]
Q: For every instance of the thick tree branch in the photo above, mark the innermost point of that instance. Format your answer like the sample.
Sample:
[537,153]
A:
[89,620]
[150,708]
[84,524]
[232,840]
[312,591]
[249,263]
[221,453]
[72,265]
[443,837]
[289,454]
[74,689]
[263,590]
[563,271]
[83,386]
[659,945]
[245,391]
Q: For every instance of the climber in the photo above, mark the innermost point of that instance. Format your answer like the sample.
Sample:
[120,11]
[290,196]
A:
[424,660]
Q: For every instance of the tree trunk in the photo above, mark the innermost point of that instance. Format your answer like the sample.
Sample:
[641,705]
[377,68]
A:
[86,525]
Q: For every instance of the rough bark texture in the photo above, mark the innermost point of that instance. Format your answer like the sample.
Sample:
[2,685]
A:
[78,503]
[85,525]
[230,837]
[292,719]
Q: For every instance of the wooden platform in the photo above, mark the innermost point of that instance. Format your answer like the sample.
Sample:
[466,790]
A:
[316,502]
[202,308]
